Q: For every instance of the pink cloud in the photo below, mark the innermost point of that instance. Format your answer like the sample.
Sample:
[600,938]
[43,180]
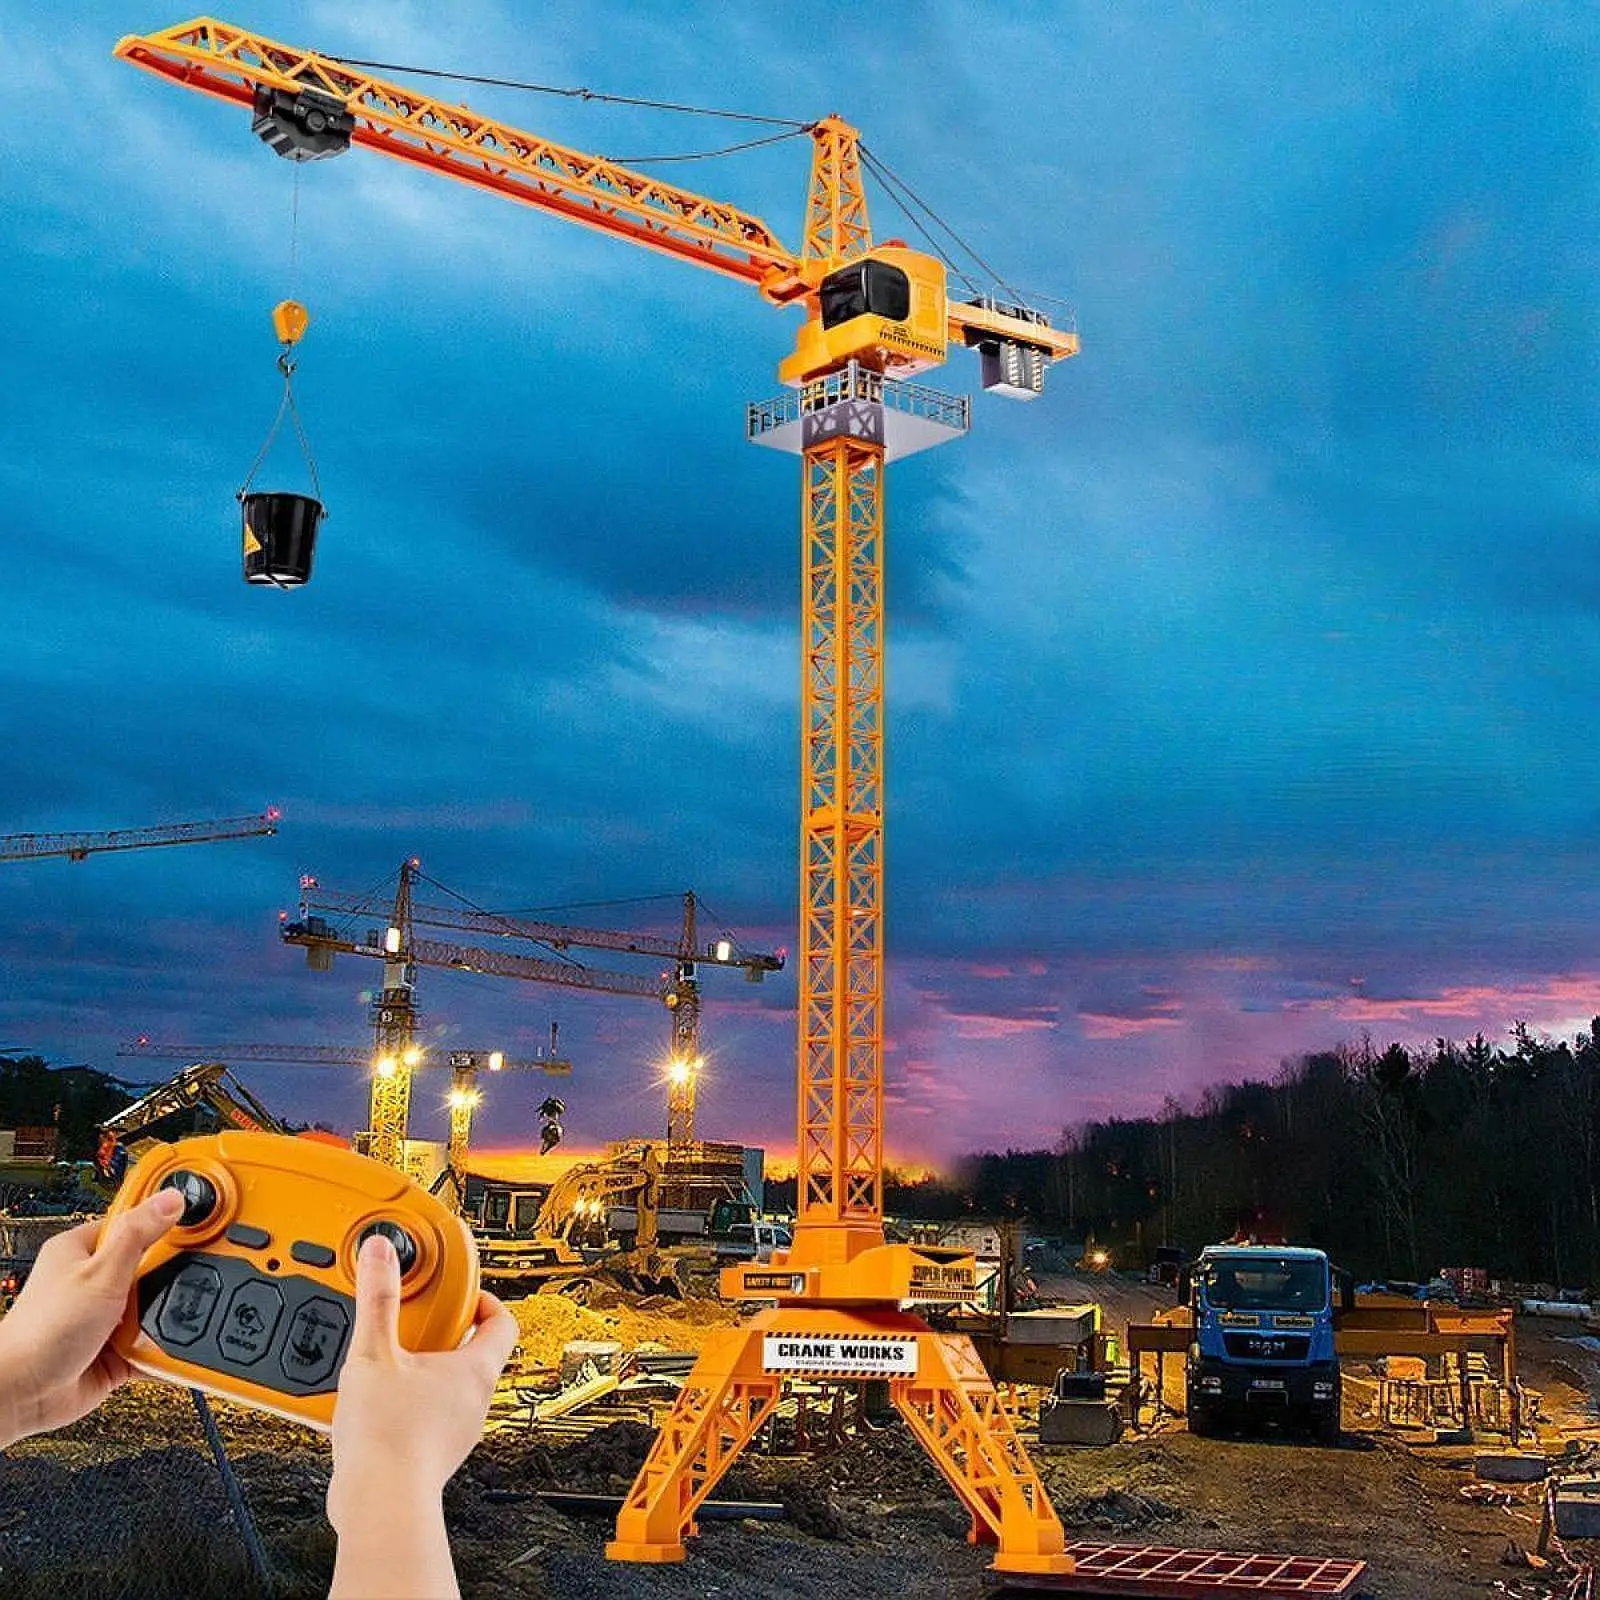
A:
[970,1025]
[1102,1025]
[1561,1002]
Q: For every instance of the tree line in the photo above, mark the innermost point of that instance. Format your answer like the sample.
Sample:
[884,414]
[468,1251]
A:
[1396,1161]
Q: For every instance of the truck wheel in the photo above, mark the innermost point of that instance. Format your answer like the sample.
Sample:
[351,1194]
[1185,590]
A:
[1202,1420]
[1325,1427]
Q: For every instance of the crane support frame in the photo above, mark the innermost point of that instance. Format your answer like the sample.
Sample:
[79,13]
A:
[948,1402]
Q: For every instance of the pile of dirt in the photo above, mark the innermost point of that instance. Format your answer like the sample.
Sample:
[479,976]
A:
[1116,1510]
[603,1461]
[549,1322]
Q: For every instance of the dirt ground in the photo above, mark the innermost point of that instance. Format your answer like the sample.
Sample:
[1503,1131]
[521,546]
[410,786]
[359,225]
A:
[127,1503]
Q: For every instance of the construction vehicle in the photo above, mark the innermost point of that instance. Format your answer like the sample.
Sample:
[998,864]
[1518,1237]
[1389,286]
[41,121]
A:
[1263,1337]
[571,1241]
[873,315]
[678,988]
[208,1088]
[755,1240]
[80,846]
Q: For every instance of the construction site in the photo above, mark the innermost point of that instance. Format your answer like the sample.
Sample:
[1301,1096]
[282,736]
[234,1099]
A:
[1202,1350]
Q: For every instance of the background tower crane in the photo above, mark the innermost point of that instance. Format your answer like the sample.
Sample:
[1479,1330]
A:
[874,315]
[678,989]
[78,846]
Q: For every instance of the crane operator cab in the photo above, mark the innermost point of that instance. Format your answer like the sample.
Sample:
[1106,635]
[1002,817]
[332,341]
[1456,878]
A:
[885,311]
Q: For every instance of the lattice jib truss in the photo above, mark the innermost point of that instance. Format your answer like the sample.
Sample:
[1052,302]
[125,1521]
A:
[231,63]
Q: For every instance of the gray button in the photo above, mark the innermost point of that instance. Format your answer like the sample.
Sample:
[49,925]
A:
[249,1322]
[187,1306]
[315,1340]
[250,1238]
[311,1255]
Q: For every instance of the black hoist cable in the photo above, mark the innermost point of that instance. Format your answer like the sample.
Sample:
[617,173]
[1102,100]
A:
[286,405]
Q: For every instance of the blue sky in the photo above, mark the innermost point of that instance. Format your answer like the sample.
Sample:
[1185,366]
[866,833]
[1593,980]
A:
[1242,688]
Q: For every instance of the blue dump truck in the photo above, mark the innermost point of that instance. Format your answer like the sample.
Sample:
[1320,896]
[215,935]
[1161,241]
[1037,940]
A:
[1263,1337]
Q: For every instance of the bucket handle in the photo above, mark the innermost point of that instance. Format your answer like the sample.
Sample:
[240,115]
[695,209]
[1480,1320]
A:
[286,367]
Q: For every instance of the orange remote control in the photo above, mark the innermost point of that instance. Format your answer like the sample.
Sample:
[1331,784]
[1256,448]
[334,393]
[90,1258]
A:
[251,1296]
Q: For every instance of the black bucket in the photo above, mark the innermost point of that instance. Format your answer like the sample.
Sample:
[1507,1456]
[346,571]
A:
[280,537]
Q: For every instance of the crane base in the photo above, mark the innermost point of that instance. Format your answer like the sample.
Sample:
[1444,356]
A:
[936,1382]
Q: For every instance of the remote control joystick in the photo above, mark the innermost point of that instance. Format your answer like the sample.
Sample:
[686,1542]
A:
[199,1196]
[405,1247]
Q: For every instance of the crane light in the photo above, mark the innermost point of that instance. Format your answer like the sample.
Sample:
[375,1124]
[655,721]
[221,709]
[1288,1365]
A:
[385,1066]
[678,1072]
[412,1056]
[391,941]
[724,950]
[496,1060]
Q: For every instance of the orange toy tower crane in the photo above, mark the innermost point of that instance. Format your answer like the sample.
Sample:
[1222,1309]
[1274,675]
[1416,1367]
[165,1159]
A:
[679,990]
[874,315]
[78,846]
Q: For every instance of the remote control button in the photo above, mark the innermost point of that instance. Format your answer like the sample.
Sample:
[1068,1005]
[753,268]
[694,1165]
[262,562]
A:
[315,1340]
[250,1238]
[250,1321]
[187,1306]
[312,1255]
[405,1247]
[199,1196]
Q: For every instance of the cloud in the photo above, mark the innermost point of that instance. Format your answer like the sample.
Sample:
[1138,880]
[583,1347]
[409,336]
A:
[1259,654]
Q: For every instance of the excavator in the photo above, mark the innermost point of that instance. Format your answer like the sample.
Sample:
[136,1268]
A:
[207,1083]
[570,1242]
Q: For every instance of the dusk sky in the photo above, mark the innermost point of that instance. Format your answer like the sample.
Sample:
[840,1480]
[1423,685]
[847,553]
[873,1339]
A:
[1242,688]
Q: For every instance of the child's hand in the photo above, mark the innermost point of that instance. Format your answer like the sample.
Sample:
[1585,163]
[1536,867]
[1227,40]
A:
[404,1422]
[55,1363]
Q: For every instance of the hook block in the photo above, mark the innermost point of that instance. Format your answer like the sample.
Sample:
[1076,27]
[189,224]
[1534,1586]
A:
[290,320]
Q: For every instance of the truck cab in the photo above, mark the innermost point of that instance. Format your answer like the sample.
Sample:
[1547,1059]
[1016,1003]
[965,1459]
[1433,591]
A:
[753,1241]
[1263,1337]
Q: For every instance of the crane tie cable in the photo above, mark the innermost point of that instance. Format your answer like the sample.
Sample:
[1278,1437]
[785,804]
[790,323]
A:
[886,176]
[706,155]
[569,93]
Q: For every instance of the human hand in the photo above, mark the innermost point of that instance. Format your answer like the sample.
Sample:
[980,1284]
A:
[404,1421]
[55,1363]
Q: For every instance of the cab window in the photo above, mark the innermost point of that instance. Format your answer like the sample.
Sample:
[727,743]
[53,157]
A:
[865,288]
